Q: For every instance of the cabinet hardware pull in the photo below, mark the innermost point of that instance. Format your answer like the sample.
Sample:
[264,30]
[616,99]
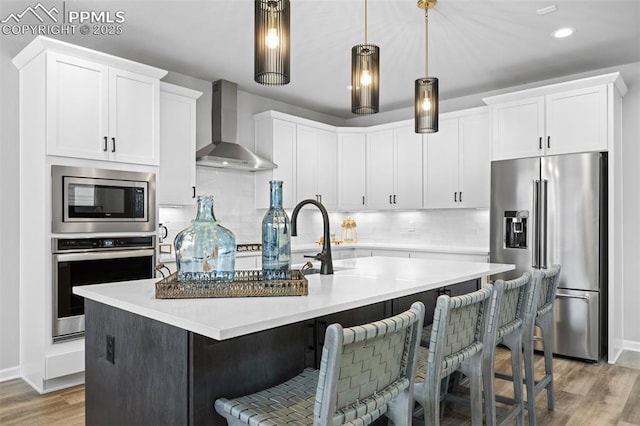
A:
[460,196]
[113,144]
[455,197]
[394,198]
[320,197]
[194,192]
[363,200]
[390,199]
[540,143]
[548,141]
[105,144]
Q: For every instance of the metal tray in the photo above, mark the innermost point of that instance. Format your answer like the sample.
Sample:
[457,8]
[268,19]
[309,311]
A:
[247,283]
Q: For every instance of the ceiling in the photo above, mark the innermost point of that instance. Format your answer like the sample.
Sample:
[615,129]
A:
[474,46]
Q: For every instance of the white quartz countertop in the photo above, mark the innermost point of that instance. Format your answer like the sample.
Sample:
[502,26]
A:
[355,283]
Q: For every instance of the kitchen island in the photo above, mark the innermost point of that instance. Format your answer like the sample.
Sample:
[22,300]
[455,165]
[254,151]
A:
[159,361]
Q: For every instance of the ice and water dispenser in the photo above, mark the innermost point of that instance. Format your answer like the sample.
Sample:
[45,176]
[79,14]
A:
[515,229]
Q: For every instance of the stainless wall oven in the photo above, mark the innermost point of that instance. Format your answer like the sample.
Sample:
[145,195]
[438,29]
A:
[83,261]
[99,200]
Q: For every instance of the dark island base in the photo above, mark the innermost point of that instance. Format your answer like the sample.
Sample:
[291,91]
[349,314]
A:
[141,371]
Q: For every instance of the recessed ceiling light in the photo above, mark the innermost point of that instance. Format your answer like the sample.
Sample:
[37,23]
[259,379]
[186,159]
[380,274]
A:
[563,32]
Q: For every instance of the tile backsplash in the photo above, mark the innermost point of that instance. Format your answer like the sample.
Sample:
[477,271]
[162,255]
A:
[234,208]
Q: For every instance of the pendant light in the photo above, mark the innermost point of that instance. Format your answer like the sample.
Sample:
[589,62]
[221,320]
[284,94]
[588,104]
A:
[365,75]
[271,42]
[426,88]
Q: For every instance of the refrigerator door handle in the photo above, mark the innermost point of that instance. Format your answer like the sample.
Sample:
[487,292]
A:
[535,247]
[571,296]
[542,229]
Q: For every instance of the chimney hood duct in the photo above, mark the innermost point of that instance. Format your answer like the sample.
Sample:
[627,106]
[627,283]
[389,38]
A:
[225,152]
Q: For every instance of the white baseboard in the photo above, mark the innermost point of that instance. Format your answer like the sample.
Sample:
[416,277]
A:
[630,345]
[10,374]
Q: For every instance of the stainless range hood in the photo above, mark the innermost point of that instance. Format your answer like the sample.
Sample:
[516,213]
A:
[225,152]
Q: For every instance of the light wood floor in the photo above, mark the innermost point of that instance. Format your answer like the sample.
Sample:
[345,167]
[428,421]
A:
[586,394]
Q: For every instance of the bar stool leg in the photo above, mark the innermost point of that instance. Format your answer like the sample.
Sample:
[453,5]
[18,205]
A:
[530,383]
[488,374]
[547,334]
[514,343]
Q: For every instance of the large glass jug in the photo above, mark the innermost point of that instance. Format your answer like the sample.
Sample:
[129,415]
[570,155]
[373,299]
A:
[205,251]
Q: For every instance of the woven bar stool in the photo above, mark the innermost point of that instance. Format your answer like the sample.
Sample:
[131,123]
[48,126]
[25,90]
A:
[505,326]
[456,343]
[540,313]
[366,372]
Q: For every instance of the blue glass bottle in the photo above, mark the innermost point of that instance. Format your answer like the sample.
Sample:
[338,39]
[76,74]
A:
[205,251]
[276,238]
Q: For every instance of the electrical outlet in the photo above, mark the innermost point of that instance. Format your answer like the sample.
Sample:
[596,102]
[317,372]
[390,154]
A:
[111,349]
[412,226]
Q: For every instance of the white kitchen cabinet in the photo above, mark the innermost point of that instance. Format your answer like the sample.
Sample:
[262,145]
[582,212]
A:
[316,165]
[100,112]
[457,167]
[563,118]
[380,165]
[394,169]
[177,174]
[276,141]
[389,253]
[69,98]
[461,257]
[361,252]
[352,168]
[247,262]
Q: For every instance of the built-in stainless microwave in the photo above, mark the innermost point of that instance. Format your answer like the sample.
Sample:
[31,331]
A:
[100,200]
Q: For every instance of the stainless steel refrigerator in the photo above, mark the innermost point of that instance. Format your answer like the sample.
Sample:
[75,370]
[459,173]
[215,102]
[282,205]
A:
[549,210]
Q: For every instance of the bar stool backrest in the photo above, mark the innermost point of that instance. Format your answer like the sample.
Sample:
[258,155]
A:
[509,301]
[545,287]
[365,367]
[458,331]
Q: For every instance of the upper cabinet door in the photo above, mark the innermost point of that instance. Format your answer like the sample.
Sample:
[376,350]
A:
[307,164]
[380,171]
[99,112]
[134,117]
[441,166]
[177,173]
[517,128]
[577,121]
[351,171]
[316,166]
[276,140]
[327,169]
[77,107]
[408,168]
[475,162]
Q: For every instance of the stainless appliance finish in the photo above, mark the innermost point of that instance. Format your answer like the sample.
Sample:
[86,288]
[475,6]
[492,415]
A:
[84,261]
[99,200]
[551,210]
[226,152]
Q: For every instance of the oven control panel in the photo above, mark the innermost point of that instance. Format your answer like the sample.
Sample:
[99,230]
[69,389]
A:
[102,243]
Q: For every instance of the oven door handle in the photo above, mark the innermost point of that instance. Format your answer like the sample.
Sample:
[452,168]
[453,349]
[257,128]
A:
[111,254]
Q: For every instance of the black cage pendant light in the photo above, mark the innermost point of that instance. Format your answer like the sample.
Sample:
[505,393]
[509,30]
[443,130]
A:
[365,75]
[272,42]
[426,88]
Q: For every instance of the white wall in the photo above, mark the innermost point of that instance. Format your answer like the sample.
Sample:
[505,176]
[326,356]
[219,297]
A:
[9,214]
[631,204]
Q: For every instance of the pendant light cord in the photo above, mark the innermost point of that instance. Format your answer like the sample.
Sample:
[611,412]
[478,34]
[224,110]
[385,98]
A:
[426,41]
[365,22]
